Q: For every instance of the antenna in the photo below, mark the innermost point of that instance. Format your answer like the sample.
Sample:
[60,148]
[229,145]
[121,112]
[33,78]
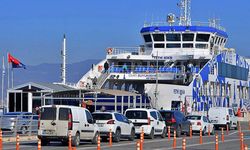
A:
[185,15]
[63,53]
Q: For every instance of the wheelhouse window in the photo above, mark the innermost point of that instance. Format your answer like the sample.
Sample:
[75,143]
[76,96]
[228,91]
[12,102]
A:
[149,45]
[202,37]
[187,37]
[159,45]
[173,45]
[173,37]
[201,46]
[188,45]
[158,37]
[147,38]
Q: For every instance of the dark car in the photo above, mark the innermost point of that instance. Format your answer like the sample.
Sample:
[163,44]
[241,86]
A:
[177,121]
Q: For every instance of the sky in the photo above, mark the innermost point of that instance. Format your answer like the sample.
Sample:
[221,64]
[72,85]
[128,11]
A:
[32,30]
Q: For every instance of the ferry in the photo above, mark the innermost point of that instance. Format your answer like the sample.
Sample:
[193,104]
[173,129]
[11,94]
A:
[182,65]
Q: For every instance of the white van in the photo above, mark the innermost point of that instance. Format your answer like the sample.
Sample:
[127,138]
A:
[222,116]
[55,122]
[149,119]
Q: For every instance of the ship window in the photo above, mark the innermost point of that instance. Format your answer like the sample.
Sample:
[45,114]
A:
[147,38]
[160,45]
[187,37]
[173,37]
[188,45]
[158,37]
[173,45]
[201,46]
[149,45]
[202,37]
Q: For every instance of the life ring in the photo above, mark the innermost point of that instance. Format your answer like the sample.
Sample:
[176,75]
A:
[109,51]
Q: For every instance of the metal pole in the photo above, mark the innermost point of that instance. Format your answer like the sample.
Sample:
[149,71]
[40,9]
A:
[3,74]
[156,87]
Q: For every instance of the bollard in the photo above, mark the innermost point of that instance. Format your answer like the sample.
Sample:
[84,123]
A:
[216,142]
[110,138]
[184,144]
[169,133]
[70,141]
[222,134]
[209,130]
[227,129]
[17,142]
[39,144]
[1,139]
[138,145]
[242,141]
[200,136]
[246,148]
[174,141]
[99,143]
[191,132]
[141,139]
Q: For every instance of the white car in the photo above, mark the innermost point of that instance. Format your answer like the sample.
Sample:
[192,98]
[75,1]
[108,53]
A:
[149,119]
[119,124]
[200,122]
[223,116]
[57,121]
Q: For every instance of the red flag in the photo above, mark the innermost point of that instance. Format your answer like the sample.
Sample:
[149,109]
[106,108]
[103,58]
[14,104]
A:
[15,62]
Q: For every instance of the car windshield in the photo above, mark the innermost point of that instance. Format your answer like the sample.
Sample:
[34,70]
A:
[136,114]
[48,113]
[166,115]
[102,116]
[193,117]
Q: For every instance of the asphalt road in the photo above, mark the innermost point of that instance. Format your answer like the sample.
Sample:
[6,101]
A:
[232,142]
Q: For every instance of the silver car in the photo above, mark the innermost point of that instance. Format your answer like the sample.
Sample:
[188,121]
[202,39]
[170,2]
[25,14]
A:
[19,122]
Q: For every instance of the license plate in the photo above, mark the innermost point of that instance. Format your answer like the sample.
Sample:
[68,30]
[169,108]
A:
[48,131]
[137,127]
[100,124]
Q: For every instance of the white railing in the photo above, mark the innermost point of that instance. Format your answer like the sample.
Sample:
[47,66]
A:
[195,23]
[131,50]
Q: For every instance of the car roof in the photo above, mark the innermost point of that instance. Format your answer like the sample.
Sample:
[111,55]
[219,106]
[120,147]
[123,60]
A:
[140,109]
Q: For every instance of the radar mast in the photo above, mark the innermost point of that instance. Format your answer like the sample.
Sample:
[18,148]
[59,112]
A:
[185,15]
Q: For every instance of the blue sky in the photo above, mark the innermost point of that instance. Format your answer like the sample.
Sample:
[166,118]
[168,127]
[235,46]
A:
[32,30]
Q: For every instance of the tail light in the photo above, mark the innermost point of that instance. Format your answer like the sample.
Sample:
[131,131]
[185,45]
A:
[173,120]
[227,117]
[198,123]
[111,122]
[149,121]
[70,122]
[38,122]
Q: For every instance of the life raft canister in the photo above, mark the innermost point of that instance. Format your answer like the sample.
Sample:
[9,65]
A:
[109,50]
[100,68]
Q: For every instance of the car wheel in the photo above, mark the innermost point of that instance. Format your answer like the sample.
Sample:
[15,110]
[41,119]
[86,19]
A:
[188,131]
[76,140]
[132,135]
[164,132]
[178,131]
[212,132]
[23,130]
[204,131]
[152,134]
[44,142]
[117,135]
[95,138]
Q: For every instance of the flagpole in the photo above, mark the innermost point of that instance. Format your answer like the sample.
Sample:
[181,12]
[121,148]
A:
[8,70]
[3,74]
[12,72]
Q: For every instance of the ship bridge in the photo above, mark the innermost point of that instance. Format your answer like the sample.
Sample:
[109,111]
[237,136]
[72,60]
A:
[193,41]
